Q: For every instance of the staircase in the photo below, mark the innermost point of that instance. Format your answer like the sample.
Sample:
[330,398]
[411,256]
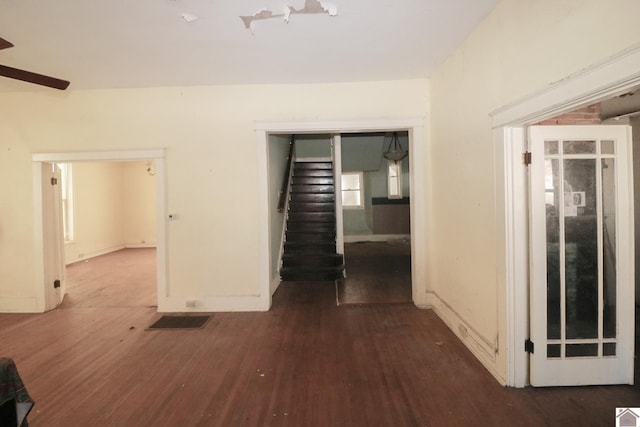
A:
[310,237]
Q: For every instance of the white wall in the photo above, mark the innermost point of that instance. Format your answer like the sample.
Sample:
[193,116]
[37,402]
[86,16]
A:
[519,49]
[208,135]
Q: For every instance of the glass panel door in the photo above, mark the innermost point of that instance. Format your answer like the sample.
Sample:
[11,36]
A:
[576,188]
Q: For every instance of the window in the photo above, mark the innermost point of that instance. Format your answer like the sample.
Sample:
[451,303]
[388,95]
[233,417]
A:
[394,174]
[67,200]
[352,195]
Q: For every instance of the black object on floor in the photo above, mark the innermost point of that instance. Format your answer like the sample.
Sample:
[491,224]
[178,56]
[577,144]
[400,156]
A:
[180,322]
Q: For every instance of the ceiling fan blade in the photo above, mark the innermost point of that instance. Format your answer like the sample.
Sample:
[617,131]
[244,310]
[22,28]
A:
[29,77]
[5,44]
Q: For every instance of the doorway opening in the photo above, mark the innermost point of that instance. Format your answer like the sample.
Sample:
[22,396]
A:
[612,77]
[109,218]
[377,231]
[116,255]
[271,135]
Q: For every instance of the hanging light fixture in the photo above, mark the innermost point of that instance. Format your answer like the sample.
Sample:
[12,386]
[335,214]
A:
[394,151]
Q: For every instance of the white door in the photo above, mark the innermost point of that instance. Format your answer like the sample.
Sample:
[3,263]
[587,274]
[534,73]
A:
[53,235]
[582,305]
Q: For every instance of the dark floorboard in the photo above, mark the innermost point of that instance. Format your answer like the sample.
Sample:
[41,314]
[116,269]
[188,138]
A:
[306,362]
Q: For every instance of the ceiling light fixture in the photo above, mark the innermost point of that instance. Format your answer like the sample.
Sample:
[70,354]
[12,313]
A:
[394,151]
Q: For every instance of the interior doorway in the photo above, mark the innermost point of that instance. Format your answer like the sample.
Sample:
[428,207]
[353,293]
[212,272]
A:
[418,193]
[376,227]
[109,219]
[612,77]
[153,163]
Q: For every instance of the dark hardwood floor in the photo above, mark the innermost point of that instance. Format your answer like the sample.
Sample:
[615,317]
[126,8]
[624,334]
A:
[306,362]
[377,272]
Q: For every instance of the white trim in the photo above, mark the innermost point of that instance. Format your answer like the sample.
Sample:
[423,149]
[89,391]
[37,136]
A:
[418,149]
[342,126]
[161,221]
[360,190]
[103,156]
[615,75]
[336,150]
[483,348]
[97,253]
[212,304]
[263,273]
[38,234]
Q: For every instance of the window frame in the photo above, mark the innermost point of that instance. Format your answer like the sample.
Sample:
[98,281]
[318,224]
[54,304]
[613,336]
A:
[398,177]
[360,190]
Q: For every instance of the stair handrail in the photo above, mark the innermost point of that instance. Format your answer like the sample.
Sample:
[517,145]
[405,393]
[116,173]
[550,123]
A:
[287,175]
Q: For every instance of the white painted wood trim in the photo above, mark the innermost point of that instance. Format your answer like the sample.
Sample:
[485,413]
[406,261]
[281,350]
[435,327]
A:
[212,304]
[338,126]
[481,347]
[512,247]
[420,216]
[90,156]
[613,76]
[38,234]
[336,149]
[264,220]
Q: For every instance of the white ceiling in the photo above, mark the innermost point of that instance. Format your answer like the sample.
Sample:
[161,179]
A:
[145,43]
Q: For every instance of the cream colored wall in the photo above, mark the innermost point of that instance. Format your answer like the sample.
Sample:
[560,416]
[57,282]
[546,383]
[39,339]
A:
[211,165]
[138,205]
[98,219]
[114,207]
[519,49]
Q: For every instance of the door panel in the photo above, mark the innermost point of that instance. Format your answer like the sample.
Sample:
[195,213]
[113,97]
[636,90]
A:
[53,235]
[581,269]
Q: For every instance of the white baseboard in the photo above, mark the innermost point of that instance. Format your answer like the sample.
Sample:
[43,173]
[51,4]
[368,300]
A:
[89,255]
[481,347]
[375,237]
[275,283]
[9,304]
[140,245]
[210,304]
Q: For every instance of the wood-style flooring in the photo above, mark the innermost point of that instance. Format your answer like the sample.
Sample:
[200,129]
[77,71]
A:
[306,362]
[377,272]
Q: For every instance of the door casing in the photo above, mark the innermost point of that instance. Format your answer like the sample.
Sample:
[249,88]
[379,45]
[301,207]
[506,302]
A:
[614,76]
[44,303]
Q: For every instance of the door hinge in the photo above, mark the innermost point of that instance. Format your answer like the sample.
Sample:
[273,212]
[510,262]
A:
[526,158]
[528,346]
[54,180]
[56,284]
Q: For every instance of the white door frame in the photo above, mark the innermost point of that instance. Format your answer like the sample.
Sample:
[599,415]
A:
[614,76]
[157,156]
[419,191]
